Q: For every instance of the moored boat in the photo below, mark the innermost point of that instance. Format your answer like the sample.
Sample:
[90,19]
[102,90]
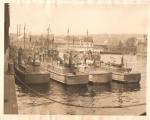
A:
[64,70]
[126,77]
[67,75]
[123,74]
[37,77]
[69,78]
[28,68]
[100,77]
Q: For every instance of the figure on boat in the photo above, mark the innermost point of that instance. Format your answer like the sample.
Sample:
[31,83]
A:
[20,54]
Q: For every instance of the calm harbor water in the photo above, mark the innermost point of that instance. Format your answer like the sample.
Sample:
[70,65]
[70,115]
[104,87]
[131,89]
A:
[103,102]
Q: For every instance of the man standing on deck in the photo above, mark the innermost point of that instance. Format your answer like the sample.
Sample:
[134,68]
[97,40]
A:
[20,55]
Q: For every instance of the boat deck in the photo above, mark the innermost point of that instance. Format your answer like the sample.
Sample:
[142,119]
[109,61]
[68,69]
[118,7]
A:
[64,71]
[125,73]
[96,71]
[30,69]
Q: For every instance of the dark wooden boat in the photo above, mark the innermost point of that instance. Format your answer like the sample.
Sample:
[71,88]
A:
[124,77]
[30,72]
[34,77]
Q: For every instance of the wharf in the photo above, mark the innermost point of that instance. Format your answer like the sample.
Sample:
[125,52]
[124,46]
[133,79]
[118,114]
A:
[10,99]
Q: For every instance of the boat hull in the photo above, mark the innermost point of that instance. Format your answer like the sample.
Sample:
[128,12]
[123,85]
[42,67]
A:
[71,79]
[100,77]
[31,78]
[126,77]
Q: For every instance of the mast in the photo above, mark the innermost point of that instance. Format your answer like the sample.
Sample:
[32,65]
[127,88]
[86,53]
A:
[68,37]
[87,38]
[48,36]
[52,49]
[19,29]
[41,37]
[24,35]
[17,34]
[73,41]
[53,41]
[30,40]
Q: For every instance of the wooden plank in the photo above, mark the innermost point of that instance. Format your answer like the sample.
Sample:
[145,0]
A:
[10,100]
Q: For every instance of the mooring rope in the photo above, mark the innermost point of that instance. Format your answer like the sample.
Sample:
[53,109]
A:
[74,105]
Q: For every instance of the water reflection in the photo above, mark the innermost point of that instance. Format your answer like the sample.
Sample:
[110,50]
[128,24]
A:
[55,88]
[42,89]
[119,87]
[101,88]
[67,89]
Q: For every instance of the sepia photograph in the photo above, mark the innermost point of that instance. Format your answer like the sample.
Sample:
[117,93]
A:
[75,59]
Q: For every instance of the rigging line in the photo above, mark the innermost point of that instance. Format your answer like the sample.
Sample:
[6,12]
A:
[68,104]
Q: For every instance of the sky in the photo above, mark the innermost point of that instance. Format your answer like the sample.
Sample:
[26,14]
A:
[97,19]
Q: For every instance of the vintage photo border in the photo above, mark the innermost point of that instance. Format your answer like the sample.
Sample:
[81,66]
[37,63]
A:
[76,117]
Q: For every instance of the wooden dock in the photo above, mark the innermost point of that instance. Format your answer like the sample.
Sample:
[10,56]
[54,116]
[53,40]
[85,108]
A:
[10,99]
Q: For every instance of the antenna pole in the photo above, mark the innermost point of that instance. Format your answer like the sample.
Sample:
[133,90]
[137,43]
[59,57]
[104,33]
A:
[87,38]
[48,35]
[24,35]
[17,30]
[68,37]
